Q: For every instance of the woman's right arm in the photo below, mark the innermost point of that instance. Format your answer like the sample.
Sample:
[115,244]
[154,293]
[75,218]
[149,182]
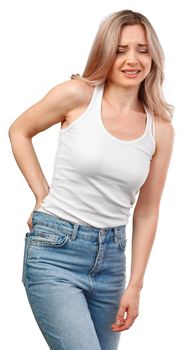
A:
[50,110]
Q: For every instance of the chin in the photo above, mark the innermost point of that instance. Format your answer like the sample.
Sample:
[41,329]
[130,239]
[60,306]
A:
[130,83]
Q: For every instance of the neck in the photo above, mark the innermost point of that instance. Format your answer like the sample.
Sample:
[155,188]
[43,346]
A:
[122,98]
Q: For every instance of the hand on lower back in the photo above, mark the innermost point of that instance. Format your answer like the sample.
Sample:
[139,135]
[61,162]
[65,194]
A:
[29,222]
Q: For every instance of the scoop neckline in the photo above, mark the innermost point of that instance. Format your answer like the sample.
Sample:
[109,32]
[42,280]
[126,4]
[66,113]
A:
[114,137]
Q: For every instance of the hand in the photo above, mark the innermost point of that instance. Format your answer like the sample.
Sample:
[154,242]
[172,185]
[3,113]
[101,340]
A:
[37,205]
[129,304]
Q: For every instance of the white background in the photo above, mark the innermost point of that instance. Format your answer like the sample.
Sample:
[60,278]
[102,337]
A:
[42,43]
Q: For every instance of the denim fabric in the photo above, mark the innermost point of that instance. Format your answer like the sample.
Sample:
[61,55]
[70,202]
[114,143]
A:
[74,277]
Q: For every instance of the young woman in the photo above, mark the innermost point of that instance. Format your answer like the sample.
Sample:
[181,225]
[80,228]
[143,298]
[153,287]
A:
[115,142]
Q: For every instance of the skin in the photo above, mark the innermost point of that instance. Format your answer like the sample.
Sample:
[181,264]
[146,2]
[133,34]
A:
[123,91]
[121,110]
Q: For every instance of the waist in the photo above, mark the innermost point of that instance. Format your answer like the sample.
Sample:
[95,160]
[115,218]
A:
[85,232]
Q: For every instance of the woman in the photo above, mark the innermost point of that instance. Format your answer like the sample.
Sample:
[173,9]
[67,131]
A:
[115,142]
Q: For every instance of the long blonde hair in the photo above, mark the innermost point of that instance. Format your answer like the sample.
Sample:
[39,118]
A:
[103,54]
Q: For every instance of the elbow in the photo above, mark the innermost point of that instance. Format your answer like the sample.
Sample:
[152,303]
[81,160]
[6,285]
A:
[12,131]
[15,130]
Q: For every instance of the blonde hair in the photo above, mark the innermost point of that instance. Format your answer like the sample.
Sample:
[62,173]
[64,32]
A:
[103,54]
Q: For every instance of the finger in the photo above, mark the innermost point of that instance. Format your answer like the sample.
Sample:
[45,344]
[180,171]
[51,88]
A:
[30,226]
[118,325]
[130,319]
[121,328]
[124,326]
[119,322]
[120,315]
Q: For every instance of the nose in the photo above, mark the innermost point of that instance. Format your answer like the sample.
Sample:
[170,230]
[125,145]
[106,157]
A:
[130,58]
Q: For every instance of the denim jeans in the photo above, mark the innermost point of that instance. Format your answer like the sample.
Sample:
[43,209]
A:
[74,277]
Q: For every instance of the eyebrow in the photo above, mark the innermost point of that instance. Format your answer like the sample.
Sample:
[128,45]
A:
[140,45]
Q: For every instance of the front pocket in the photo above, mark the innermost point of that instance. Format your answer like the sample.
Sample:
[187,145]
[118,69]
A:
[45,237]
[122,243]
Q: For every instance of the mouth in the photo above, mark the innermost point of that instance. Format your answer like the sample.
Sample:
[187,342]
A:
[131,73]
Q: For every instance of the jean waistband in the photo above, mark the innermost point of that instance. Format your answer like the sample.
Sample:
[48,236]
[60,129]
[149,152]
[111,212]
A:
[89,232]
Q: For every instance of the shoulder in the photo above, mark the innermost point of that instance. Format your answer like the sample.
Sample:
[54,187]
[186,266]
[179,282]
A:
[79,89]
[72,93]
[165,132]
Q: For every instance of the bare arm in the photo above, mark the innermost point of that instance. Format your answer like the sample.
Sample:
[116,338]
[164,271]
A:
[145,221]
[28,163]
[145,218]
[50,110]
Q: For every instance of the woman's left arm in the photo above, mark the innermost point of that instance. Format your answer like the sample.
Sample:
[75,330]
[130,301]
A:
[145,219]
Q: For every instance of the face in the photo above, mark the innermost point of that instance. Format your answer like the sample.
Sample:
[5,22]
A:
[133,60]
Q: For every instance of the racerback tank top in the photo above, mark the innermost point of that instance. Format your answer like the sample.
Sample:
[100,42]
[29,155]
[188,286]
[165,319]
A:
[97,176]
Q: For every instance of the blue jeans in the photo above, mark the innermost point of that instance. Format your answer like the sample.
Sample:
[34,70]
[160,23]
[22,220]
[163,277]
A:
[74,276]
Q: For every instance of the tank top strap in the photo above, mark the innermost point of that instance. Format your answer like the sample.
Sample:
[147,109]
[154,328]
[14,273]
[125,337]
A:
[153,125]
[150,121]
[94,99]
[99,89]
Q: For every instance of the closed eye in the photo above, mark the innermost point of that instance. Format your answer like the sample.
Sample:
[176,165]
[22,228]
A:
[123,51]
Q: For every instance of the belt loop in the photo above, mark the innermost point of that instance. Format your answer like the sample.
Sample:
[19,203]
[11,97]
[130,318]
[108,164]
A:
[74,232]
[116,235]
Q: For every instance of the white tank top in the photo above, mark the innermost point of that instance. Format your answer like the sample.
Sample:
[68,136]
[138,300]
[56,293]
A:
[97,176]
